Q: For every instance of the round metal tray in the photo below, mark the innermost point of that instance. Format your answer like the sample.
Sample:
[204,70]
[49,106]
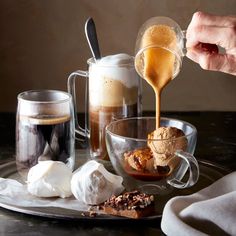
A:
[209,173]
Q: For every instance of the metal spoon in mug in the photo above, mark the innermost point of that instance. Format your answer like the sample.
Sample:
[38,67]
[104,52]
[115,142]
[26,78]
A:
[91,35]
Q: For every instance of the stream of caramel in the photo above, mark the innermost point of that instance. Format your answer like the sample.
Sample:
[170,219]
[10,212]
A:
[158,60]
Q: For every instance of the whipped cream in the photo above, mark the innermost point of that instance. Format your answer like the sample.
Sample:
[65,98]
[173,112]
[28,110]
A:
[113,74]
[93,184]
[49,179]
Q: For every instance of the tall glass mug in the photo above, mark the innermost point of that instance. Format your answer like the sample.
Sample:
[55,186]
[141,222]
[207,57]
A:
[44,129]
[113,92]
[159,35]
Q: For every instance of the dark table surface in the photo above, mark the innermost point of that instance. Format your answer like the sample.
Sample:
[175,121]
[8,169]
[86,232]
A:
[216,143]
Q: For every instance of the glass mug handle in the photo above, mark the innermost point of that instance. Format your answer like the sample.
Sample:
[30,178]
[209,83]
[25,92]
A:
[184,49]
[207,47]
[81,132]
[189,164]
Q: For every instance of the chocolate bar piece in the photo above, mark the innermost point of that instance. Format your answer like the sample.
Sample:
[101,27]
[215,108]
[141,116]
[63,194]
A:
[130,204]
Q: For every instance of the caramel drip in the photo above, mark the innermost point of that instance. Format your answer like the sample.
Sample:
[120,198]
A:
[158,60]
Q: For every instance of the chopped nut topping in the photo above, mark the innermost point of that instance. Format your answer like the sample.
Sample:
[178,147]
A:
[130,200]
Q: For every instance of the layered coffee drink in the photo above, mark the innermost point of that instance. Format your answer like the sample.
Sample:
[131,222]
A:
[113,94]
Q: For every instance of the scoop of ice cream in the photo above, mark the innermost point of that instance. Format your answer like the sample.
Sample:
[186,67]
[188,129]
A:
[49,179]
[163,142]
[93,184]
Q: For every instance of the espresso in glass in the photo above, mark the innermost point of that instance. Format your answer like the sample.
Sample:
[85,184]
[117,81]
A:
[44,129]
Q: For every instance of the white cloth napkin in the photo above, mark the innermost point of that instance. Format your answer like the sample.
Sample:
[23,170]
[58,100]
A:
[14,193]
[211,211]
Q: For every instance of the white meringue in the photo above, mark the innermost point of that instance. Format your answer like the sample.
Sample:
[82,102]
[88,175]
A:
[93,184]
[49,179]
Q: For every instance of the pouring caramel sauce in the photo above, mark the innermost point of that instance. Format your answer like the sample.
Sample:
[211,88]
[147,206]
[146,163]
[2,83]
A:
[157,63]
[158,60]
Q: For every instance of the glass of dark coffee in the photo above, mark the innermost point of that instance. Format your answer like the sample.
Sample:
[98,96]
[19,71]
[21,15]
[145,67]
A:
[44,129]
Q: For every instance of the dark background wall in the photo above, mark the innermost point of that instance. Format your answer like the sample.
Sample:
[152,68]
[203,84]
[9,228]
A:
[42,41]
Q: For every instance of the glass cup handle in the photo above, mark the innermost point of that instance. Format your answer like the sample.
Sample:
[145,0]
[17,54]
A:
[208,47]
[189,164]
[81,132]
[184,50]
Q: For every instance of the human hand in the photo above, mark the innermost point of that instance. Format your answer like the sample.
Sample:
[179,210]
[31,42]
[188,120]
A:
[205,32]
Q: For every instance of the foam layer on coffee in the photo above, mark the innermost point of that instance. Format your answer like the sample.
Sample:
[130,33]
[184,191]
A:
[113,81]
[44,119]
